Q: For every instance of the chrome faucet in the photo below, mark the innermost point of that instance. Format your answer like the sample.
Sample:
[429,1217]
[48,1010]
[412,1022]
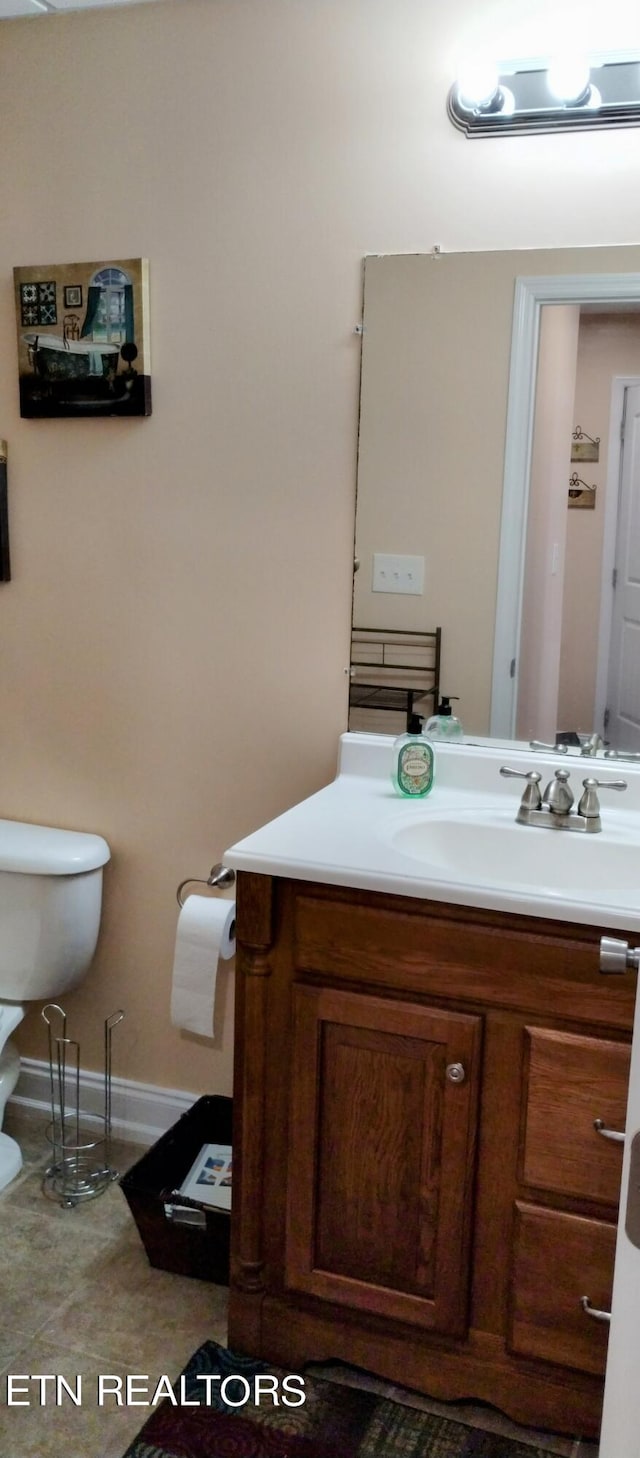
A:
[589,745]
[554,807]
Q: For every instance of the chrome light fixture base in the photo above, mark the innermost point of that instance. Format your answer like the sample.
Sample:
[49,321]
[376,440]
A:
[522,102]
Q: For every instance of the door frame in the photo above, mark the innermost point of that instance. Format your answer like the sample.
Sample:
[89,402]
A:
[529,297]
[619,386]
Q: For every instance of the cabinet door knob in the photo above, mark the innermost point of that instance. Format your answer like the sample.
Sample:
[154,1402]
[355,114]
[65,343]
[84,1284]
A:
[601,1128]
[456,1073]
[593,1310]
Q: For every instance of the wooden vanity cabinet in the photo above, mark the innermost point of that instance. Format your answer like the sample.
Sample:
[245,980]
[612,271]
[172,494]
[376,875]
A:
[419,1188]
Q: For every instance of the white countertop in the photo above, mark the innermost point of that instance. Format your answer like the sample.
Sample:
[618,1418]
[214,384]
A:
[345,834]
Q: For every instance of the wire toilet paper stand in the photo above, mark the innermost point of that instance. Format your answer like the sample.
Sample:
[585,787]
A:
[80,1143]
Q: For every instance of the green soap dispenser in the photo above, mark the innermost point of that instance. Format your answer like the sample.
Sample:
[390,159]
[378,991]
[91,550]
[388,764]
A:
[412,772]
[443,724]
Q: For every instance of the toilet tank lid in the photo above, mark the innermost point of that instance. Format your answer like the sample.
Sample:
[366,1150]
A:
[40,850]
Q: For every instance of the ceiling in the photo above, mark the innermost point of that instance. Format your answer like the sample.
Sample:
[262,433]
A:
[9,9]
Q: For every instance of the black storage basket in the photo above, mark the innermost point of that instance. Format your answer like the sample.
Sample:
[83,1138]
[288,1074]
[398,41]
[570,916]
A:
[185,1238]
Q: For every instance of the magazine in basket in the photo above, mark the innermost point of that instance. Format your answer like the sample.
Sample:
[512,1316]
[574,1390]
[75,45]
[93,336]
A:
[209,1179]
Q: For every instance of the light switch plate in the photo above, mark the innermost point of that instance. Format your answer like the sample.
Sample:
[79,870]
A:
[394,573]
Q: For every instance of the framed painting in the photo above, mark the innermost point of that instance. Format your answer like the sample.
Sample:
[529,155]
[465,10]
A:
[83,339]
[5,564]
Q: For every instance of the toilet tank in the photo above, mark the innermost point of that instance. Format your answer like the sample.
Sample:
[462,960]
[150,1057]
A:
[50,903]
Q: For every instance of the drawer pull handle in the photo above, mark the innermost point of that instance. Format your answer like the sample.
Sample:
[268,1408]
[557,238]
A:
[593,1310]
[617,956]
[615,1134]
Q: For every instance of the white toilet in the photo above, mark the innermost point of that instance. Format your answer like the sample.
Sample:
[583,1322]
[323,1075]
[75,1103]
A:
[50,902]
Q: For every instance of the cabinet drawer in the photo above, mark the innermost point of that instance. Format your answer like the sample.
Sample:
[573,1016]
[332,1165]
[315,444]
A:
[431,949]
[558,1259]
[570,1081]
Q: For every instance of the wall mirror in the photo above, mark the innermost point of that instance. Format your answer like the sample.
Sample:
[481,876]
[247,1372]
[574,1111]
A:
[478,369]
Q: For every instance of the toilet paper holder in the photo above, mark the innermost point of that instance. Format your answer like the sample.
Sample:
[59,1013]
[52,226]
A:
[219,876]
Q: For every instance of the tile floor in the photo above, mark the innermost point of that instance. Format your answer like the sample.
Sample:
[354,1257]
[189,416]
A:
[79,1299]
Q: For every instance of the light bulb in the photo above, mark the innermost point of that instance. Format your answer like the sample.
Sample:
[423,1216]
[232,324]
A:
[508,101]
[568,77]
[477,82]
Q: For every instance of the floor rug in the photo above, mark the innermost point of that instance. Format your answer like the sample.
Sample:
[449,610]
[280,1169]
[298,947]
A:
[213,1413]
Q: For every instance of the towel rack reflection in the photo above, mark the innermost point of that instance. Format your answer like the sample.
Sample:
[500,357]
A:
[219,876]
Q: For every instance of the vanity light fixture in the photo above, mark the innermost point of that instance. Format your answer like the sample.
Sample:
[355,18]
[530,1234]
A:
[563,93]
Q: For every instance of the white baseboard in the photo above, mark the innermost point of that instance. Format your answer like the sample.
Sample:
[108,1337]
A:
[140,1112]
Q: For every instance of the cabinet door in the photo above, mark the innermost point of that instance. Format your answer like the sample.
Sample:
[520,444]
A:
[381,1163]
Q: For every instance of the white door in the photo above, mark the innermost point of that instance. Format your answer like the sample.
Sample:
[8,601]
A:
[623,695]
[620,1436]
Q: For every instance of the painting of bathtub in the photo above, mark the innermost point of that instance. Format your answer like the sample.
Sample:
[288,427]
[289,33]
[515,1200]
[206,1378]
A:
[87,360]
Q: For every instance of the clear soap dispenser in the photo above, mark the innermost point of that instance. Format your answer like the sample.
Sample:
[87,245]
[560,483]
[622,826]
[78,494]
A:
[444,724]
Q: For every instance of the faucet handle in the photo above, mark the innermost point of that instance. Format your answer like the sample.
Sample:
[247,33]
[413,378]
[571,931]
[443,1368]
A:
[558,794]
[589,805]
[531,798]
[590,744]
[551,748]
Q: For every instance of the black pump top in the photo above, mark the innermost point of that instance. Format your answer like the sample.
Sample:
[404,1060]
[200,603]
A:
[444,707]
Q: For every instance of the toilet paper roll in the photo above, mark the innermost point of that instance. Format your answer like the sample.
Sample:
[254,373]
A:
[205,936]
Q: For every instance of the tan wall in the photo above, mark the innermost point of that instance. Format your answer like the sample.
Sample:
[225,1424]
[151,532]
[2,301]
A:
[430,454]
[173,643]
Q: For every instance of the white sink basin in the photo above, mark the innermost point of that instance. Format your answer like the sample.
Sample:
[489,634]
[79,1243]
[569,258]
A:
[494,850]
[461,844]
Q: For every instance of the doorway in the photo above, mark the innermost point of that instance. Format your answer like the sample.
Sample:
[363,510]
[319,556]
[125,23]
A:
[569,679]
[618,696]
[585,552]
